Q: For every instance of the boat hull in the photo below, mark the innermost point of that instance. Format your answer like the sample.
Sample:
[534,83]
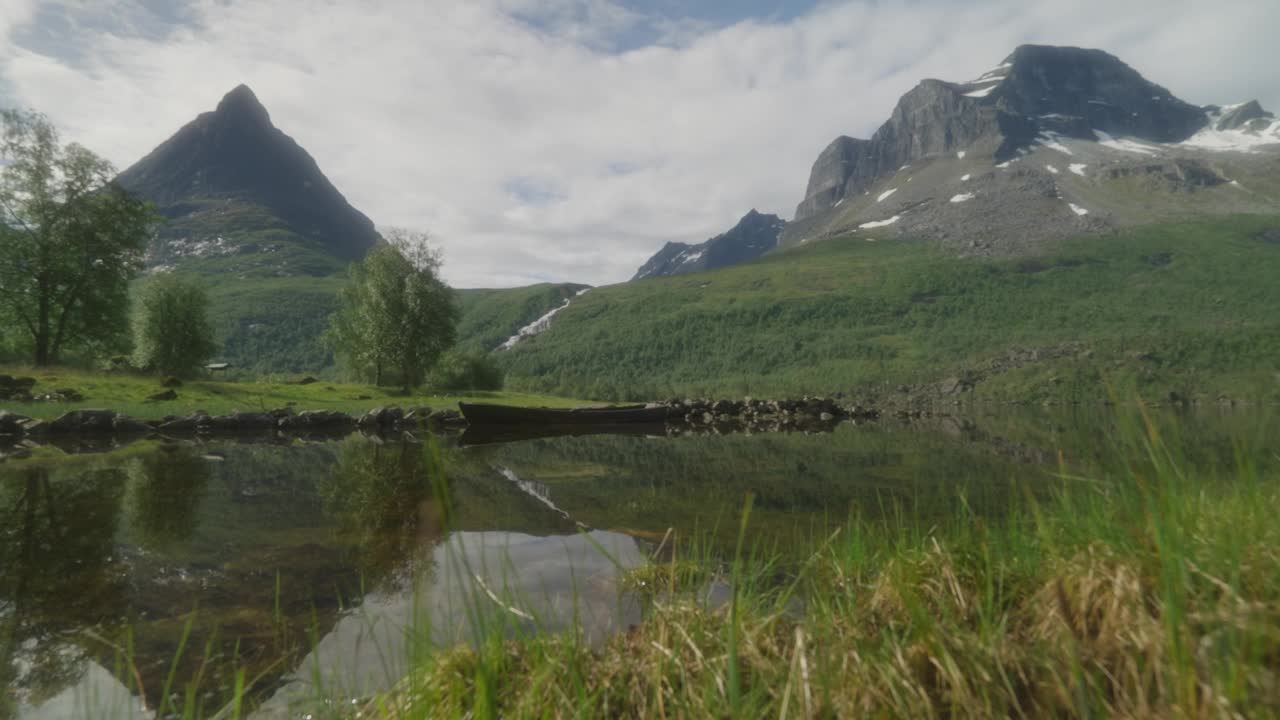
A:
[484,414]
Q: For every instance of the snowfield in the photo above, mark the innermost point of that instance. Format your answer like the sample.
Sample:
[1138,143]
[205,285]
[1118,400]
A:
[880,223]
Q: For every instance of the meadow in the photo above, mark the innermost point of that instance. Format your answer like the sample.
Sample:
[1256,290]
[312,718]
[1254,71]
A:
[127,393]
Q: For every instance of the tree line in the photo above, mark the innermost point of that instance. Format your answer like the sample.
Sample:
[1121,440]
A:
[72,242]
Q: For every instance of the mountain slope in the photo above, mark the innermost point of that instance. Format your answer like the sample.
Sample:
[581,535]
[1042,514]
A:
[239,193]
[1189,308]
[249,209]
[1052,142]
[491,317]
[754,235]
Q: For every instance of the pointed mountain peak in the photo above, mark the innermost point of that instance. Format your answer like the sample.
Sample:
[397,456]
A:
[1234,117]
[236,155]
[754,218]
[242,103]
[754,235]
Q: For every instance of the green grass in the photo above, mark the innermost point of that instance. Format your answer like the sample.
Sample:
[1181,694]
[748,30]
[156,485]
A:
[1143,592]
[490,316]
[1190,308]
[128,394]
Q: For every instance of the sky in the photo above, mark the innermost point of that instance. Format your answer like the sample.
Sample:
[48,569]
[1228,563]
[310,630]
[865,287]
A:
[568,140]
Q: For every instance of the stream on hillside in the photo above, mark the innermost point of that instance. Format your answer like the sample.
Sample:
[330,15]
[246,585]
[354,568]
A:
[321,569]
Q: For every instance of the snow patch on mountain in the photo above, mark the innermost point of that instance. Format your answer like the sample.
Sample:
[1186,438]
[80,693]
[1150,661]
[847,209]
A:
[1053,141]
[1125,144]
[981,93]
[962,197]
[1078,168]
[880,223]
[1077,209]
[1243,139]
[885,195]
[1052,169]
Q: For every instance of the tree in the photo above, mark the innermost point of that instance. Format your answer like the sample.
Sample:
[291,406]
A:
[467,370]
[70,239]
[395,317]
[172,331]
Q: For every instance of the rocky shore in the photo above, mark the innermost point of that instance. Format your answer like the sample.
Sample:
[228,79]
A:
[683,416]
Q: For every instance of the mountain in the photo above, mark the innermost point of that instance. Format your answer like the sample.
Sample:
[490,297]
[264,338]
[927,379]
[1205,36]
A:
[754,235]
[1052,142]
[1186,309]
[239,192]
[250,210]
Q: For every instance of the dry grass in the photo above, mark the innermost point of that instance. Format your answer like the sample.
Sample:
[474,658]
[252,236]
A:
[1151,596]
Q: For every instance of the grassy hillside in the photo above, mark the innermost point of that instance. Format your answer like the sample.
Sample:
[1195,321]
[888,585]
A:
[1191,308]
[491,316]
[273,325]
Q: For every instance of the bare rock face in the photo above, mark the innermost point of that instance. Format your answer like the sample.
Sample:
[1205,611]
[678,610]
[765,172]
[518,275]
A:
[1097,86]
[844,160]
[1065,91]
[754,235]
[1243,116]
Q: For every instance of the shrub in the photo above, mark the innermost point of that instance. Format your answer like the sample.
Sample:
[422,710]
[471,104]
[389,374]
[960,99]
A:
[461,370]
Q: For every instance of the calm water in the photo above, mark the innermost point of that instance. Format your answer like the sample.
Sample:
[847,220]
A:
[323,568]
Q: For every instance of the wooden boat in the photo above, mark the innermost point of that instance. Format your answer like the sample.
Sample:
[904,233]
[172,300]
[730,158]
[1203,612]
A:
[499,434]
[485,414]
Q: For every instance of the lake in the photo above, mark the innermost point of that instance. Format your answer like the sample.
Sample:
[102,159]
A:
[321,569]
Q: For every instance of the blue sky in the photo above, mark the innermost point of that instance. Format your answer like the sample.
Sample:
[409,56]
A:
[570,139]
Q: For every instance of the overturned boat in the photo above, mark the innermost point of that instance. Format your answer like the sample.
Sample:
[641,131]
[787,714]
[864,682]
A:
[486,414]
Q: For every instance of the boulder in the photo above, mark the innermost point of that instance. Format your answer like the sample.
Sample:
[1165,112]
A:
[381,417]
[244,421]
[163,396]
[84,421]
[16,388]
[36,428]
[11,423]
[446,418]
[181,425]
[127,425]
[416,416]
[316,420]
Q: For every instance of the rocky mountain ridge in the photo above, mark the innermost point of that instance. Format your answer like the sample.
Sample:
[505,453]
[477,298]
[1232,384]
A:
[754,235]
[1052,142]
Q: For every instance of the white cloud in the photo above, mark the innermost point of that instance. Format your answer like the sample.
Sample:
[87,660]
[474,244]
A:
[532,150]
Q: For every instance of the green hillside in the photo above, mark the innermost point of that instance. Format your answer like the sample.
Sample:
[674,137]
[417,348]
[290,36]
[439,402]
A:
[273,325]
[490,316]
[1191,308]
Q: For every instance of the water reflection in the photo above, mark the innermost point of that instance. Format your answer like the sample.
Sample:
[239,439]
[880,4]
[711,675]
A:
[339,560]
[476,583]
[56,559]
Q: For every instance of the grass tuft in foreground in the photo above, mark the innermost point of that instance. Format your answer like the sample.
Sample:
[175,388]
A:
[1147,593]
